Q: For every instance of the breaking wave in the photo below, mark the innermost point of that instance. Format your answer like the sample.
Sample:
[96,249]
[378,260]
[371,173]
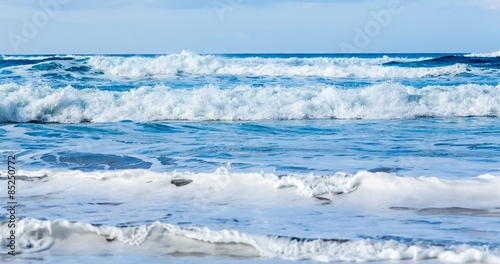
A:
[189,63]
[36,235]
[484,55]
[30,103]
[366,189]
[477,197]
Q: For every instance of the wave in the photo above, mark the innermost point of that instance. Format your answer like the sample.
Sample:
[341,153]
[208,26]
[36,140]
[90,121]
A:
[36,61]
[484,55]
[363,189]
[40,57]
[191,63]
[482,62]
[188,63]
[36,235]
[378,191]
[29,103]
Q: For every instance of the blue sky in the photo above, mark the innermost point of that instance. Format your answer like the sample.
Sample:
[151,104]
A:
[245,26]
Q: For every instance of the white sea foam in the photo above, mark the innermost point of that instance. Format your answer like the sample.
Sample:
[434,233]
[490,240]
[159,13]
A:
[191,63]
[484,55]
[363,189]
[221,185]
[60,235]
[11,57]
[383,101]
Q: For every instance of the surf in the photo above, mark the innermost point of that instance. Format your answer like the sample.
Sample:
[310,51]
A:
[44,104]
[63,236]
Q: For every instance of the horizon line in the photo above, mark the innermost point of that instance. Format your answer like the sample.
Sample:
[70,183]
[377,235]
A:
[242,53]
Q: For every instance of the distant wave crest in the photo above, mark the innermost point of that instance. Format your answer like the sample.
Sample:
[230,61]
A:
[485,55]
[191,63]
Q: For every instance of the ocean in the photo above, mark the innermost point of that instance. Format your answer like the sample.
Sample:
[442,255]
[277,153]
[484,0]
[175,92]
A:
[250,158]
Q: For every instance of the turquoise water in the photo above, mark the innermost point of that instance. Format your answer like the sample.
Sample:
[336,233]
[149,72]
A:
[288,157]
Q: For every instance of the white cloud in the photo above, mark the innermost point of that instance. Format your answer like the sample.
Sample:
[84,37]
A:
[487,4]
[308,5]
